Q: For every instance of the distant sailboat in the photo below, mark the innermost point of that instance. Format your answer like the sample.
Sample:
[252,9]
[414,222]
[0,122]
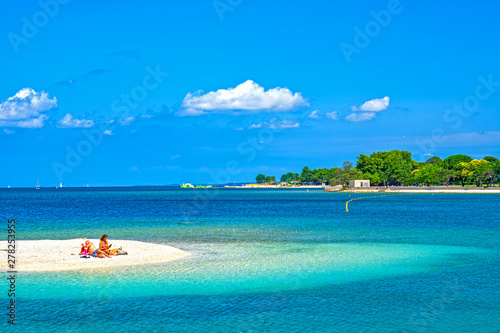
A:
[60,184]
[37,185]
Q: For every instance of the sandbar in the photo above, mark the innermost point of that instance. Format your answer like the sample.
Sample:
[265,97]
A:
[50,255]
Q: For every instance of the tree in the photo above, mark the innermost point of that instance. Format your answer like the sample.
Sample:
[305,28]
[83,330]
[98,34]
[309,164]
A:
[306,176]
[289,177]
[270,179]
[320,175]
[481,171]
[451,161]
[393,167]
[400,167]
[474,171]
[260,178]
[342,176]
[434,159]
[336,178]
[487,173]
[496,171]
[491,159]
[431,174]
[372,167]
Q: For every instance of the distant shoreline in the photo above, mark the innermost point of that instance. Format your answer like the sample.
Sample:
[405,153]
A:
[381,189]
[318,188]
[434,189]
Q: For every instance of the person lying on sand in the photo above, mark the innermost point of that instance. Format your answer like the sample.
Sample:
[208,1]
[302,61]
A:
[103,246]
[95,252]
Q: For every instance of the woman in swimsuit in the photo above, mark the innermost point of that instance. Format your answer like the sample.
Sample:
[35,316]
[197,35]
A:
[103,246]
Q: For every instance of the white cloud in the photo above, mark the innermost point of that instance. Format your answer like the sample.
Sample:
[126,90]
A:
[259,125]
[314,115]
[28,123]
[107,132]
[332,115]
[247,97]
[174,157]
[69,122]
[360,116]
[25,109]
[8,131]
[126,121]
[374,105]
[283,124]
[276,124]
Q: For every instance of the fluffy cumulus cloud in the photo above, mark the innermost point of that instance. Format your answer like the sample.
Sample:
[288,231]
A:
[69,122]
[374,105]
[369,108]
[247,97]
[332,115]
[276,124]
[314,115]
[26,109]
[360,116]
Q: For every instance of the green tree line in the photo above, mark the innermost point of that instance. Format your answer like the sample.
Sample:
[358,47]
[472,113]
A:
[396,167]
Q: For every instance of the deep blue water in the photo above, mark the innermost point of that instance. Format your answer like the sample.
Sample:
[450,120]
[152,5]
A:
[266,261]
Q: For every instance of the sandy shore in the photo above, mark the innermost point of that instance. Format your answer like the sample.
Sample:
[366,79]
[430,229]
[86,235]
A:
[62,255]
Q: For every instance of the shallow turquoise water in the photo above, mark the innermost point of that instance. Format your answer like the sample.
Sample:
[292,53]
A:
[267,260]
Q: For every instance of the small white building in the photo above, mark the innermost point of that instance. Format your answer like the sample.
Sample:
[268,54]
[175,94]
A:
[359,183]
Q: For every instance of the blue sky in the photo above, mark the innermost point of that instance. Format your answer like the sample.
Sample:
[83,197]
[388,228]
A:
[136,93]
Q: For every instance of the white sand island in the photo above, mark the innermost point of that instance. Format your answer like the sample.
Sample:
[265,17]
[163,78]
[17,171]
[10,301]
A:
[62,255]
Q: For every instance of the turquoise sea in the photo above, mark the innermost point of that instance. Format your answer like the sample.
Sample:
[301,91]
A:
[264,261]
